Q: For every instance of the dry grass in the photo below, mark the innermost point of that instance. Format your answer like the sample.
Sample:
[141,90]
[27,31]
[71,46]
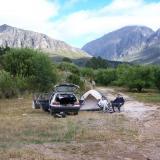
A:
[21,126]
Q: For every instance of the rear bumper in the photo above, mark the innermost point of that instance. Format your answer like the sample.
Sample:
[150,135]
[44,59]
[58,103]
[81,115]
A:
[64,109]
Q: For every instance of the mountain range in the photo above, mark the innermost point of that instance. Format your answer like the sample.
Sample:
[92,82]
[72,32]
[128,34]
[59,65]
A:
[137,44]
[18,38]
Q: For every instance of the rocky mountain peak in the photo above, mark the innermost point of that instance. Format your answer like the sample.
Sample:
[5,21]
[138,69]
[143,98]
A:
[120,43]
[4,27]
[158,32]
[18,38]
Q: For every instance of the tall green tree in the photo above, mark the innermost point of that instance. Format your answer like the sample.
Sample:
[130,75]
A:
[135,77]
[35,66]
[105,76]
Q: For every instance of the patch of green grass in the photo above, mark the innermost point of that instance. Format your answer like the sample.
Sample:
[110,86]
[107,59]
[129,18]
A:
[148,96]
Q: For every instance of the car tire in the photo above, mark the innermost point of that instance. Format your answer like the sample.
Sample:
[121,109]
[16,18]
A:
[45,110]
[75,113]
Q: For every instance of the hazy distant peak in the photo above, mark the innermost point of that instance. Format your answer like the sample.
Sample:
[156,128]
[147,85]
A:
[19,38]
[4,27]
[120,43]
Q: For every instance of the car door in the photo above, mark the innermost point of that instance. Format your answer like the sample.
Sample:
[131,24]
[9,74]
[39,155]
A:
[42,101]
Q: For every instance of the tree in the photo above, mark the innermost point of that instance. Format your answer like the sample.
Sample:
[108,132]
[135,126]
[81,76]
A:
[69,67]
[66,59]
[87,73]
[75,79]
[34,66]
[97,63]
[4,50]
[44,73]
[157,77]
[105,76]
[135,77]
[7,84]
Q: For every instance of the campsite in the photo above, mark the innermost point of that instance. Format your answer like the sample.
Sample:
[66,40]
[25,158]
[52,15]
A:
[90,133]
[132,134]
[80,80]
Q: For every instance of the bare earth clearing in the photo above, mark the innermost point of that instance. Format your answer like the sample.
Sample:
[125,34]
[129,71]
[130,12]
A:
[133,134]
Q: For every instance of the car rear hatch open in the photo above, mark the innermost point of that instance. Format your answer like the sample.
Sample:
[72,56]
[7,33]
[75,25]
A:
[66,99]
[66,88]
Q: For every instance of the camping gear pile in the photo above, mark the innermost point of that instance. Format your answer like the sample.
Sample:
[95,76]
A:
[95,101]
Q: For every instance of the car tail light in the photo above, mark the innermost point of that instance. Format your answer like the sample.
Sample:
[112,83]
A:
[76,104]
[55,103]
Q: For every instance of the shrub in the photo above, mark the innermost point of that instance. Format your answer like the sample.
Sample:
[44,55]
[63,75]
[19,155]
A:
[69,67]
[157,77]
[137,77]
[34,66]
[105,77]
[66,59]
[75,79]
[7,85]
[87,73]
[97,63]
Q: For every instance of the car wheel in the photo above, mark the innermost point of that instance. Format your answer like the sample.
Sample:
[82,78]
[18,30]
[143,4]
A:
[75,113]
[45,110]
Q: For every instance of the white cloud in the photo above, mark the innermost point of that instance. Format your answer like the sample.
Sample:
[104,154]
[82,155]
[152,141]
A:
[93,23]
[81,26]
[28,14]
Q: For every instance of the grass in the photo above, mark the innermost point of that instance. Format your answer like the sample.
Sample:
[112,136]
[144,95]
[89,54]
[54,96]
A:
[22,126]
[27,134]
[147,96]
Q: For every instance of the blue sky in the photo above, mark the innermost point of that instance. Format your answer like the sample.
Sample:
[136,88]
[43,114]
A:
[79,21]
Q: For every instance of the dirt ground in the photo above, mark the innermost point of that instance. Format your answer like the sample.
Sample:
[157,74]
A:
[133,134]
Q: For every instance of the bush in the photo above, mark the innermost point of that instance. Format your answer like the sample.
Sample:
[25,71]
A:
[69,67]
[157,77]
[87,73]
[66,59]
[7,85]
[44,73]
[32,65]
[135,77]
[75,79]
[105,77]
[97,63]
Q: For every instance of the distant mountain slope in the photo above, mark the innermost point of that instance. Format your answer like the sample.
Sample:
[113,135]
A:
[19,38]
[150,55]
[154,39]
[120,43]
[151,52]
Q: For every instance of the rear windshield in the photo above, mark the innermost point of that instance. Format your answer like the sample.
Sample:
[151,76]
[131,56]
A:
[66,98]
[62,88]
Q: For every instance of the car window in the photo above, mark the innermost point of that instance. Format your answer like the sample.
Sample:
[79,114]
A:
[66,88]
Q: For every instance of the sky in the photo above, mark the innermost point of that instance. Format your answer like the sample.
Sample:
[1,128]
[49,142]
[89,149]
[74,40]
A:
[79,21]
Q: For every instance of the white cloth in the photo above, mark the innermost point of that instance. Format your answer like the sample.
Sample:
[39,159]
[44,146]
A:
[103,103]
